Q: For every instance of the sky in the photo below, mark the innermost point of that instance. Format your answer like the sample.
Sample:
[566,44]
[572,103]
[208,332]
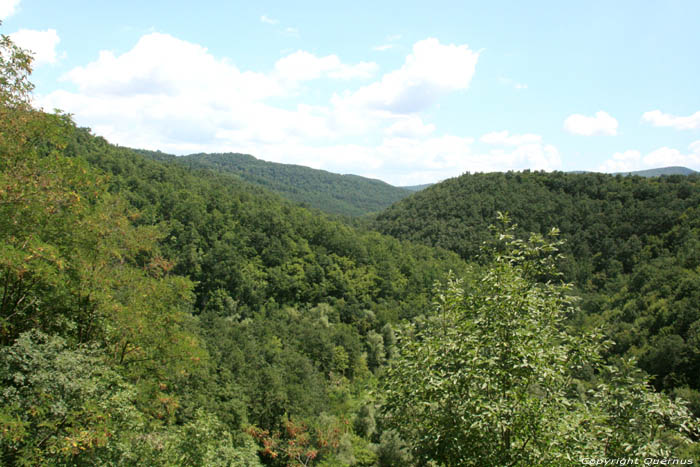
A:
[406,92]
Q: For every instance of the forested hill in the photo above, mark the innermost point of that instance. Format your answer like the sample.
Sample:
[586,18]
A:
[348,195]
[632,247]
[155,313]
[590,209]
[151,304]
[273,245]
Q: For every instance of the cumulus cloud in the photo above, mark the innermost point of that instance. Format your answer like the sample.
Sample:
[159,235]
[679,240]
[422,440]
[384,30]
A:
[658,118]
[174,95]
[160,64]
[8,8]
[42,44]
[409,160]
[625,161]
[695,147]
[163,92]
[505,139]
[602,123]
[431,71]
[409,126]
[632,160]
[664,157]
[304,66]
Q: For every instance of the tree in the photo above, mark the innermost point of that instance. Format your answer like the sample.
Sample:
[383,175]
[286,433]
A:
[93,325]
[491,378]
[59,404]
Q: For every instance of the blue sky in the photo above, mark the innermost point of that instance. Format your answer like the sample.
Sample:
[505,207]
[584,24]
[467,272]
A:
[407,92]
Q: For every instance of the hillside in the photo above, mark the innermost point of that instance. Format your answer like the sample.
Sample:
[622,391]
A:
[632,249]
[348,195]
[660,171]
[160,312]
[214,303]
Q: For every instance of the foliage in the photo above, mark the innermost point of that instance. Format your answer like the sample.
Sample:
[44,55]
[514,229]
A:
[204,440]
[97,342]
[59,404]
[297,444]
[291,304]
[490,379]
[154,308]
[631,248]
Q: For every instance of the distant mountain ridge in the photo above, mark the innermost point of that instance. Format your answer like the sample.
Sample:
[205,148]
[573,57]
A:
[348,195]
[657,172]
[417,187]
[674,170]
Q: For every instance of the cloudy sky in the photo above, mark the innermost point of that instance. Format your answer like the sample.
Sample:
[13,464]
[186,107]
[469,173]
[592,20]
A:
[407,92]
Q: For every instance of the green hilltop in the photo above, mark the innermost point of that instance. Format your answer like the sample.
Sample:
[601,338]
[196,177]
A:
[632,248]
[347,195]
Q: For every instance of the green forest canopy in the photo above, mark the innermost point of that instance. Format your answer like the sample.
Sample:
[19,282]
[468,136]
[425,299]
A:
[157,314]
[632,249]
[346,195]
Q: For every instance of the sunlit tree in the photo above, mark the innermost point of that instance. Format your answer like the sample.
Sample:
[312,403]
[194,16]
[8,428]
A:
[491,378]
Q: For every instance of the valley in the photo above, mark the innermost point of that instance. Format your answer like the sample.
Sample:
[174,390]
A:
[220,310]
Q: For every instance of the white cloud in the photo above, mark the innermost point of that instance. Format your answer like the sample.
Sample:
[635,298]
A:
[161,65]
[42,44]
[173,95]
[626,161]
[304,66]
[505,139]
[602,123]
[411,160]
[409,126]
[291,31]
[430,72]
[632,160]
[8,8]
[383,47]
[163,93]
[658,118]
[665,157]
[267,20]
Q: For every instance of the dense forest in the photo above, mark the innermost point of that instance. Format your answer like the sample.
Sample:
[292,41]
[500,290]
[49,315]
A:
[346,195]
[161,312]
[632,249]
